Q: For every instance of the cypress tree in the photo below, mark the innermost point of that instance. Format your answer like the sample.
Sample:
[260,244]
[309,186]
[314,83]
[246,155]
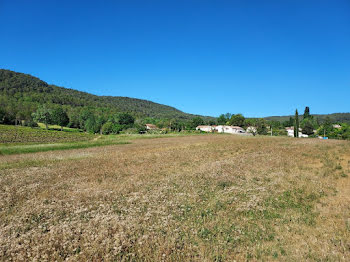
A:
[307,112]
[297,121]
[296,124]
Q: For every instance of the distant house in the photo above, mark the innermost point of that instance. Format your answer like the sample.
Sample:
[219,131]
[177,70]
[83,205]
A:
[206,128]
[222,129]
[230,129]
[337,126]
[151,127]
[290,131]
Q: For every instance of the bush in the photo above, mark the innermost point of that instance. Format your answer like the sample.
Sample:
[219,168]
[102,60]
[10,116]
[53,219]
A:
[117,128]
[279,132]
[31,123]
[140,128]
[107,128]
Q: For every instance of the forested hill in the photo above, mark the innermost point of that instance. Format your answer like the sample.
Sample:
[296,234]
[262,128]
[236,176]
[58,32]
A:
[334,118]
[18,90]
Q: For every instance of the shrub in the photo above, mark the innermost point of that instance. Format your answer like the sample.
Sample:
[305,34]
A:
[117,128]
[31,123]
[107,128]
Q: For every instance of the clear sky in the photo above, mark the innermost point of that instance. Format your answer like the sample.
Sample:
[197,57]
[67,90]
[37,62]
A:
[259,58]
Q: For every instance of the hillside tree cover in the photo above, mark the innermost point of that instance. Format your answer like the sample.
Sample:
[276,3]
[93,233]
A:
[24,91]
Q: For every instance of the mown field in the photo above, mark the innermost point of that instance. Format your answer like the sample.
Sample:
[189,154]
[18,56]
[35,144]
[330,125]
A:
[190,198]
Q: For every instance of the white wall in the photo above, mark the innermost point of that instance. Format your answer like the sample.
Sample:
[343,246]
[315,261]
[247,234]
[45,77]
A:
[291,134]
[206,129]
[229,130]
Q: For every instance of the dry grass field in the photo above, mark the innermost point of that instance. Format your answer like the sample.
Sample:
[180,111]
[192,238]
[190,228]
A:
[191,198]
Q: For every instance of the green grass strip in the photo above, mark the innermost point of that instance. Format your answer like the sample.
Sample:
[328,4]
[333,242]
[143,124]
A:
[23,149]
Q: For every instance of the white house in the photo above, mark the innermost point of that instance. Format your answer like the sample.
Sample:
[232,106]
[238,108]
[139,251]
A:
[206,128]
[230,129]
[151,127]
[290,131]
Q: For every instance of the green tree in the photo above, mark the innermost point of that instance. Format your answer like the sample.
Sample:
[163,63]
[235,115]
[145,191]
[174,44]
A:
[174,125]
[91,125]
[107,128]
[261,126]
[60,117]
[117,128]
[211,122]
[327,128]
[100,121]
[289,122]
[74,118]
[237,120]
[308,127]
[251,125]
[222,120]
[84,115]
[274,124]
[43,115]
[344,132]
[256,126]
[197,121]
[296,124]
[307,112]
[126,119]
[228,116]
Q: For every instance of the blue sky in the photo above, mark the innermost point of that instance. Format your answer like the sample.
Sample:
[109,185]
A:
[259,58]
